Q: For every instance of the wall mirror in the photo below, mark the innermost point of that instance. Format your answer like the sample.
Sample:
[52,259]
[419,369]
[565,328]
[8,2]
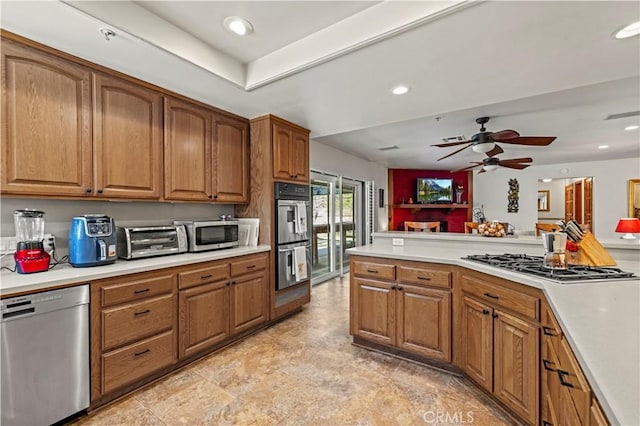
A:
[634,198]
[543,200]
[568,199]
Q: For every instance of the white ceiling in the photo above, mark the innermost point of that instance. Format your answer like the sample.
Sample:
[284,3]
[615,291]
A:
[541,68]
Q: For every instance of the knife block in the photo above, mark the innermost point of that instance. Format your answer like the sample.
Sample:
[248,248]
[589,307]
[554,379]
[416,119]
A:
[590,253]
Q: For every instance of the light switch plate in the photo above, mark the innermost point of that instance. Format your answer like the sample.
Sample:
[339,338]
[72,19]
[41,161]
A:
[398,242]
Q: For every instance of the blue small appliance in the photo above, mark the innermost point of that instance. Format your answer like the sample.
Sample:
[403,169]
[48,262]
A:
[92,240]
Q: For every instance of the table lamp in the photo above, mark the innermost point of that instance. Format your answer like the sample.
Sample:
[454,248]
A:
[629,226]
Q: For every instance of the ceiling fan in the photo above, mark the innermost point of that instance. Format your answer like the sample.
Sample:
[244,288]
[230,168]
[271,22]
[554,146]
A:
[491,163]
[485,142]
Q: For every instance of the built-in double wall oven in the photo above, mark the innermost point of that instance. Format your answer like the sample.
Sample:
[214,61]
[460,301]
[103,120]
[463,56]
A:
[293,232]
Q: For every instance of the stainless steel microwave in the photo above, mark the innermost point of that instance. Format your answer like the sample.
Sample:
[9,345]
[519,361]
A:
[203,235]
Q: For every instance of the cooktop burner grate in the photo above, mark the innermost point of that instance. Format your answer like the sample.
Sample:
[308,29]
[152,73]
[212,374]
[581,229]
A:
[533,265]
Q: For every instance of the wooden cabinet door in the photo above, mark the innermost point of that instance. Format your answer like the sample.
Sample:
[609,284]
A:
[568,202]
[373,311]
[230,159]
[299,157]
[249,307]
[550,384]
[477,338]
[187,151]
[281,139]
[424,321]
[127,136]
[588,203]
[516,364]
[46,124]
[203,317]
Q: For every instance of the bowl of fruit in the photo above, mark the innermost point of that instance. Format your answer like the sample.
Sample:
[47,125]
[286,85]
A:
[492,229]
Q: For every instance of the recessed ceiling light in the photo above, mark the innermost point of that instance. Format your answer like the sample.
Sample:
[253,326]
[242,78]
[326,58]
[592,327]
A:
[400,90]
[628,31]
[634,127]
[603,146]
[547,180]
[237,25]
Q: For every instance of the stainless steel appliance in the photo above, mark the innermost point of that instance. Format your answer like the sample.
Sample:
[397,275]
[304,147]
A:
[534,265]
[293,232]
[45,356]
[203,235]
[92,240]
[554,250]
[148,241]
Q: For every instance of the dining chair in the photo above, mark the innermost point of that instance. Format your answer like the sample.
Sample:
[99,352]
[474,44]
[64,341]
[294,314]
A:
[422,226]
[469,227]
[546,227]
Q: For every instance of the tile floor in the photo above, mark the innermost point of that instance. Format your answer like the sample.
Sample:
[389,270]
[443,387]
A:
[304,371]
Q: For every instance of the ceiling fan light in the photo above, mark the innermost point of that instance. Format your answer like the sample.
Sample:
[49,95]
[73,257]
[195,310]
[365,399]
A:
[490,167]
[483,148]
[628,31]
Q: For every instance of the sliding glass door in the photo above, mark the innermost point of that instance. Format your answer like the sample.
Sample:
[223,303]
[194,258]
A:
[336,204]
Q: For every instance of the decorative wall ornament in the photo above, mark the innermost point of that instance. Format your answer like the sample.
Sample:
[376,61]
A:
[514,188]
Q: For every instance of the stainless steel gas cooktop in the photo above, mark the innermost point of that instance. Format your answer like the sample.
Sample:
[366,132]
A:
[533,265]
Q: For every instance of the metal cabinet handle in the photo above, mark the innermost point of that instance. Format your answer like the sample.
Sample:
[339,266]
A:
[561,374]
[372,271]
[143,352]
[141,291]
[393,287]
[547,331]
[146,311]
[204,277]
[88,191]
[545,363]
[424,278]
[494,315]
[400,288]
[491,295]
[485,312]
[546,423]
[100,191]
[251,266]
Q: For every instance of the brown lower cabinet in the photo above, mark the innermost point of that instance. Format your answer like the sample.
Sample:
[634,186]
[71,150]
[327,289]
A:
[145,324]
[488,327]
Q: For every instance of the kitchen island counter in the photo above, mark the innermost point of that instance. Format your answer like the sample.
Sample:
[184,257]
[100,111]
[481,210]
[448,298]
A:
[12,283]
[601,319]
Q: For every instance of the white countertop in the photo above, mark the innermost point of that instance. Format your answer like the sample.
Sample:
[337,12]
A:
[12,282]
[600,319]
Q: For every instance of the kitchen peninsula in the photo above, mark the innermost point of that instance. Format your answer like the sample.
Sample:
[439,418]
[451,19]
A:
[423,277]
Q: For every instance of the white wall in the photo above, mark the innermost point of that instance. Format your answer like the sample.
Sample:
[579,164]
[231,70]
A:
[610,192]
[58,213]
[330,160]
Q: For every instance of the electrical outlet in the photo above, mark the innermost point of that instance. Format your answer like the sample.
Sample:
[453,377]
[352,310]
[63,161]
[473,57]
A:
[398,242]
[49,242]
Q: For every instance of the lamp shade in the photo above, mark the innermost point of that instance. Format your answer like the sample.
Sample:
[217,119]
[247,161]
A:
[628,225]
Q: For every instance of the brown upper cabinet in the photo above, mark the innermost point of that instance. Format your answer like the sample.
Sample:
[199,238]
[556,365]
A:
[206,154]
[290,153]
[127,139]
[46,124]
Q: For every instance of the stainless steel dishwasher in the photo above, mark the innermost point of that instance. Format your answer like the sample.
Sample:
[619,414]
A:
[44,356]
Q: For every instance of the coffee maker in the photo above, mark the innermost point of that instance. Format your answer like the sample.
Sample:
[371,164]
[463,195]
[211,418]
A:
[92,240]
[30,255]
[554,250]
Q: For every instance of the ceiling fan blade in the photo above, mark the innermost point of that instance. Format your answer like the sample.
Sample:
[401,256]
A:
[515,166]
[445,145]
[531,140]
[495,151]
[516,160]
[454,152]
[466,168]
[504,135]
[482,170]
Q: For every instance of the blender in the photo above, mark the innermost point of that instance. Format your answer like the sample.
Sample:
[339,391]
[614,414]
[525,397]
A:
[30,255]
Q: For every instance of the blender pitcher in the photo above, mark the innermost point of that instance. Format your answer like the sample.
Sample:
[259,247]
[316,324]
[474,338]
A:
[554,250]
[30,255]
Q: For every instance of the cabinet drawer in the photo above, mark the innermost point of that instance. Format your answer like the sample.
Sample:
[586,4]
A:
[424,276]
[375,270]
[203,275]
[249,265]
[133,362]
[128,323]
[135,289]
[501,296]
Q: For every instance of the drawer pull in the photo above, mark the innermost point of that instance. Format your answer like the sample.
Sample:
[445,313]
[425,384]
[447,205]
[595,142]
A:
[485,312]
[547,331]
[400,288]
[545,363]
[546,423]
[424,278]
[142,352]
[251,266]
[146,311]
[372,271]
[561,374]
[393,287]
[493,296]
[204,277]
[141,291]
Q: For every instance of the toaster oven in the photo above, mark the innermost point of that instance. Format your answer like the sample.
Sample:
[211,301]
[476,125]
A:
[148,241]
